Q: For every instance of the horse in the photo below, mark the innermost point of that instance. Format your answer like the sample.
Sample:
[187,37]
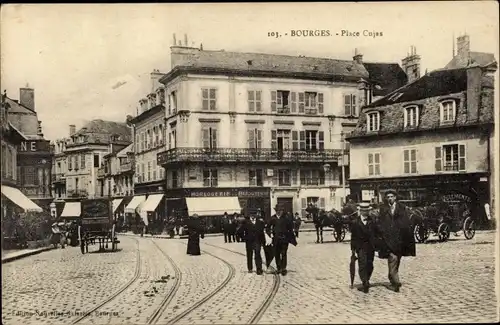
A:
[318,221]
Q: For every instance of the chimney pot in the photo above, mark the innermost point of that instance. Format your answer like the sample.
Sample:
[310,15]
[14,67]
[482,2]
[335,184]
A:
[72,129]
[411,64]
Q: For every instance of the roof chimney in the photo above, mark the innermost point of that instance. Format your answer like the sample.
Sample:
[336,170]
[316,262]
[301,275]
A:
[185,40]
[411,64]
[358,57]
[463,49]
[27,97]
[72,129]
[175,41]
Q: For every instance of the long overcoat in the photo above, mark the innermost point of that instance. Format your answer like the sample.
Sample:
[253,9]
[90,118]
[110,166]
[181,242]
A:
[195,231]
[396,232]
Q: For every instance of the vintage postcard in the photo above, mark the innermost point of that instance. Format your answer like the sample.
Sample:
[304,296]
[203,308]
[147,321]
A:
[250,163]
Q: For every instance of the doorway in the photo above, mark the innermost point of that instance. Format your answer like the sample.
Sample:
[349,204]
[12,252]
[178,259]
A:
[285,204]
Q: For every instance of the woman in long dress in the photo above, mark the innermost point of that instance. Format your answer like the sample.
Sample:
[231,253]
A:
[195,231]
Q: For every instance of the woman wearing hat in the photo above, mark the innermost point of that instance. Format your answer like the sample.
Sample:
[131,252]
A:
[195,231]
[397,235]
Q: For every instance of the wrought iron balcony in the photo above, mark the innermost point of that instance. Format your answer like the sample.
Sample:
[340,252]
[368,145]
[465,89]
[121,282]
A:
[77,193]
[178,155]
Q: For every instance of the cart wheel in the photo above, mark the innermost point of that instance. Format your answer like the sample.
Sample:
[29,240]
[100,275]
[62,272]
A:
[443,232]
[421,233]
[114,244]
[469,228]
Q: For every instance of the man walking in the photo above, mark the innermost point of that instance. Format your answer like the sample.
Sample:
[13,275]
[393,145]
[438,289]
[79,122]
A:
[225,228]
[253,235]
[297,221]
[363,231]
[396,234]
[281,229]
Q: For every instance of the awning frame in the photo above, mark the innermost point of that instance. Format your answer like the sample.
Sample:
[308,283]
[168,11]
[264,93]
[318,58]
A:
[152,202]
[213,206]
[71,210]
[18,198]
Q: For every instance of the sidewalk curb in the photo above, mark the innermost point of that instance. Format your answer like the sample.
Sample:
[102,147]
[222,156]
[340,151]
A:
[18,257]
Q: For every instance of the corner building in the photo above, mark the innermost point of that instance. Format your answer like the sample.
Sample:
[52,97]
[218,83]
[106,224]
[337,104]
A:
[265,129]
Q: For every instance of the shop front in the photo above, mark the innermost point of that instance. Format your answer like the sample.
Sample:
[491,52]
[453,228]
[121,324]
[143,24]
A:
[152,212]
[470,190]
[212,203]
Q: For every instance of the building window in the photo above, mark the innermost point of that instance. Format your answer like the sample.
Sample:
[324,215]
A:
[175,179]
[29,176]
[447,111]
[160,134]
[149,171]
[149,139]
[154,170]
[313,103]
[254,101]
[350,108]
[284,177]
[209,138]
[312,177]
[450,158]
[254,139]
[142,141]
[97,163]
[410,161]
[411,116]
[209,99]
[173,103]
[76,162]
[318,202]
[373,121]
[70,163]
[255,177]
[373,164]
[137,144]
[82,161]
[155,136]
[280,140]
[210,178]
[143,173]
[280,101]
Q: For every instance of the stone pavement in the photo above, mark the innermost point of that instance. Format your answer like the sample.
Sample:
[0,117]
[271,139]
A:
[446,282]
[12,255]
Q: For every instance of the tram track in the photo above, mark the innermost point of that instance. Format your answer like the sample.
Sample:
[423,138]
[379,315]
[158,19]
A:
[229,277]
[257,315]
[136,276]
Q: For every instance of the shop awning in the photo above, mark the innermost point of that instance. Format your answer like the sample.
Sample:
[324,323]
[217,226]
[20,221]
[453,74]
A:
[116,203]
[152,202]
[213,206]
[71,209]
[18,198]
[134,203]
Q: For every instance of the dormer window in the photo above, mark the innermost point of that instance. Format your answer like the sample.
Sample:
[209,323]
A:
[373,121]
[448,110]
[411,116]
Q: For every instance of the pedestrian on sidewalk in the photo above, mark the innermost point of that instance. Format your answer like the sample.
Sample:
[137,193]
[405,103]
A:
[397,236]
[225,227]
[281,229]
[297,221]
[363,243]
[253,235]
[195,231]
[232,228]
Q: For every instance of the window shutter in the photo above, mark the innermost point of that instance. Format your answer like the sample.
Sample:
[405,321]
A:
[214,138]
[259,138]
[413,162]
[302,177]
[321,140]
[461,157]
[304,206]
[322,203]
[251,139]
[294,176]
[354,105]
[295,140]
[302,140]
[274,140]
[251,103]
[293,102]
[273,101]
[406,161]
[347,105]
[275,177]
[377,163]
[320,103]
[441,112]
[258,101]
[406,117]
[205,137]
[301,102]
[439,159]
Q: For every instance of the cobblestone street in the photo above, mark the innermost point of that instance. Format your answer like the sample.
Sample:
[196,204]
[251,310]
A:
[446,282]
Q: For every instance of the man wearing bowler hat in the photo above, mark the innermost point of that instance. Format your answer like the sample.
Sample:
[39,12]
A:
[397,236]
[363,232]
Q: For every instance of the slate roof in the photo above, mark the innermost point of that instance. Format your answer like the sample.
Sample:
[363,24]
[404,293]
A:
[101,131]
[263,63]
[435,83]
[123,153]
[482,58]
[387,76]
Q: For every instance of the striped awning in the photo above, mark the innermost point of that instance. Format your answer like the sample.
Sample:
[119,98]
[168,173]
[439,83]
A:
[21,200]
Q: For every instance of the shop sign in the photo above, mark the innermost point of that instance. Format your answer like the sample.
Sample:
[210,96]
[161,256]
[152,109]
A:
[456,197]
[227,192]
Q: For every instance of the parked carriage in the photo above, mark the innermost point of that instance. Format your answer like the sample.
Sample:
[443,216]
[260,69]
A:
[97,225]
[441,219]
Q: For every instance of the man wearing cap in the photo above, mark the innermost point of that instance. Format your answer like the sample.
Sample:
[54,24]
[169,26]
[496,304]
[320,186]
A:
[363,230]
[396,234]
[253,234]
[281,229]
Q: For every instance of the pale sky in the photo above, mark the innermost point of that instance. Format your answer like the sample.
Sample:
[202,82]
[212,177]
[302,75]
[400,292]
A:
[73,55]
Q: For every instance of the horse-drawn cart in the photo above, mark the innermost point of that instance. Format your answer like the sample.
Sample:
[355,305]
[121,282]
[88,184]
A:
[97,225]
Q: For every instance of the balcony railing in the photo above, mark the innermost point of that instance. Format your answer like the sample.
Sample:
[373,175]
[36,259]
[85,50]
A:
[448,167]
[61,177]
[77,193]
[177,155]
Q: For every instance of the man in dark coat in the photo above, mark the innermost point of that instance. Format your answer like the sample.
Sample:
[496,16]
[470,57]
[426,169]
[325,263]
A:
[225,227]
[363,243]
[297,221]
[253,235]
[195,231]
[396,234]
[281,229]
[232,228]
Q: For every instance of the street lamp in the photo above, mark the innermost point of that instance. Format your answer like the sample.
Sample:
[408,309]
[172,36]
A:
[342,139]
